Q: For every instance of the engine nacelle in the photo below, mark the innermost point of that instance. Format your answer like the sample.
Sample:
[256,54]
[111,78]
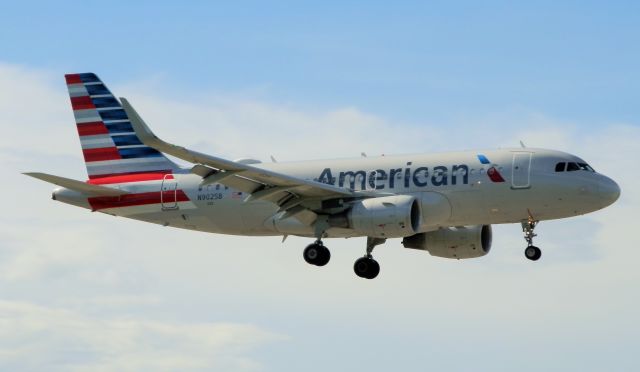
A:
[453,242]
[386,217]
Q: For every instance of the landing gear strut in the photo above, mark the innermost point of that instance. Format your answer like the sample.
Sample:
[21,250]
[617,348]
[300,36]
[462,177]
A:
[531,252]
[366,267]
[317,254]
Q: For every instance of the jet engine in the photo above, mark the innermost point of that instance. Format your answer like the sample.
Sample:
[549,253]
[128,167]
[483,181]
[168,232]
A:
[386,217]
[453,242]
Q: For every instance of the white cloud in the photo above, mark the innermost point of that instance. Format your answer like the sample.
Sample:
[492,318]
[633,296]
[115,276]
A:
[248,128]
[34,112]
[43,338]
[96,276]
[34,256]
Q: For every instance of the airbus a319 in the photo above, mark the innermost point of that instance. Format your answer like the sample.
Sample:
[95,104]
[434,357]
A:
[442,203]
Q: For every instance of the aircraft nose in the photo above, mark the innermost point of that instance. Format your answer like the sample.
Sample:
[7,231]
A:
[609,191]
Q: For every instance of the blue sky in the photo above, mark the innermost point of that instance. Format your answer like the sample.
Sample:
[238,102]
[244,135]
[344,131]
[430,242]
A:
[85,291]
[413,60]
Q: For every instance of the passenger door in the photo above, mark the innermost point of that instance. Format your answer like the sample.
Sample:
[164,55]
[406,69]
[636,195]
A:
[521,170]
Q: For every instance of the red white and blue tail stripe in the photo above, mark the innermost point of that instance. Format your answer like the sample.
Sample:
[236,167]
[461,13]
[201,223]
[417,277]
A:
[109,143]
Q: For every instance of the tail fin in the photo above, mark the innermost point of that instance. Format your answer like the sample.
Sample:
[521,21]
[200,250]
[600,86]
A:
[109,143]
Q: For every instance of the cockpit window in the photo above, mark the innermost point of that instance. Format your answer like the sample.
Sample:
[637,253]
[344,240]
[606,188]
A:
[560,167]
[585,166]
[571,167]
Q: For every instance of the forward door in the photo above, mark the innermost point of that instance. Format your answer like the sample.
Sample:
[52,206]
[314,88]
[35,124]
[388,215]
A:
[521,170]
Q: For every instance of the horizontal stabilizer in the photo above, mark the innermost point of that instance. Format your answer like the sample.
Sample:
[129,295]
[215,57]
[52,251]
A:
[79,186]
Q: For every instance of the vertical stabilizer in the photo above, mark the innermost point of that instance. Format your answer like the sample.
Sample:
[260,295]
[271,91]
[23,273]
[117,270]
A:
[109,143]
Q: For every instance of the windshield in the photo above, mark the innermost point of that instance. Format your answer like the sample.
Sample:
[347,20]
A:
[573,166]
[586,167]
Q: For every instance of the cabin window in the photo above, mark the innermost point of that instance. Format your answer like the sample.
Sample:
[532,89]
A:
[560,167]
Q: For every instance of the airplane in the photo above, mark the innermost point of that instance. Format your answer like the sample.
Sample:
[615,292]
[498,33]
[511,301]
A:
[442,203]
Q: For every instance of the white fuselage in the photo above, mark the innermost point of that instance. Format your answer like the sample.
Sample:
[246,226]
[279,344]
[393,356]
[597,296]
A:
[455,189]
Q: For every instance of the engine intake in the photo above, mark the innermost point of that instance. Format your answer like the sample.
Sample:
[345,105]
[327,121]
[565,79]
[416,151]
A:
[453,242]
[386,217]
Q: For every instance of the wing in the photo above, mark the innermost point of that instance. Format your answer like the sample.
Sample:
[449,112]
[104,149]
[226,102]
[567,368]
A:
[289,192]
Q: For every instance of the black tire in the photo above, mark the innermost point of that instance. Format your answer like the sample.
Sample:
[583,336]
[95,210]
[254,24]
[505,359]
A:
[374,269]
[361,266]
[366,267]
[533,253]
[324,257]
[312,253]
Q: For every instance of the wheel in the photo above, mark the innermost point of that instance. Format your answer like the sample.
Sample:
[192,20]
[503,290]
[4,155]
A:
[324,256]
[311,253]
[316,254]
[375,269]
[361,266]
[533,253]
[366,267]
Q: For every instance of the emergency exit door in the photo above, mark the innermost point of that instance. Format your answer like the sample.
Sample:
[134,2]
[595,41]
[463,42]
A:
[168,192]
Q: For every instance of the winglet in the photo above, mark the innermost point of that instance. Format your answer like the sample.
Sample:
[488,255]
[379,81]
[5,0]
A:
[139,126]
[147,137]
[79,186]
[255,176]
[150,139]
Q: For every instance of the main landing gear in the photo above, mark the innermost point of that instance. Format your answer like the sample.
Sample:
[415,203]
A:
[365,267]
[317,254]
[531,252]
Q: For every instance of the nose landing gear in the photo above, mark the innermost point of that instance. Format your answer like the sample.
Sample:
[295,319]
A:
[531,252]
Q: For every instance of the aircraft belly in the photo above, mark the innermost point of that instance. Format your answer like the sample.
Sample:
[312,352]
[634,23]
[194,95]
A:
[553,203]
[254,215]
[222,216]
[222,210]
[468,207]
[492,204]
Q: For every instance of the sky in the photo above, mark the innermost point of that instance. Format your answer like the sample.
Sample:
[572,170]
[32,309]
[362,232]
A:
[83,291]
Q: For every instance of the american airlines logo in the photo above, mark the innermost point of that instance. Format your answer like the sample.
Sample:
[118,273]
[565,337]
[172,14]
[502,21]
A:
[398,177]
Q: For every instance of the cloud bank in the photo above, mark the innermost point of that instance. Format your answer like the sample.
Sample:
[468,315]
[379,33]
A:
[85,291]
